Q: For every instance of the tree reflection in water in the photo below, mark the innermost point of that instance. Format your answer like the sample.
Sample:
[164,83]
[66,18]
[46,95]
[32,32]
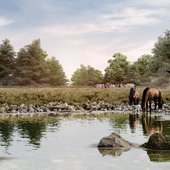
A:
[6,133]
[31,128]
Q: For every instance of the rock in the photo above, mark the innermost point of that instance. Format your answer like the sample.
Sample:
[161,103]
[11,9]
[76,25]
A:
[158,141]
[114,140]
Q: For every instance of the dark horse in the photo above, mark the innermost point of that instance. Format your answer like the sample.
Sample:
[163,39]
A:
[150,94]
[133,96]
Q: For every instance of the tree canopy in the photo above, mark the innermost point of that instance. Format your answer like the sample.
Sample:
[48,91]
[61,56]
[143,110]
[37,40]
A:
[86,76]
[117,68]
[7,56]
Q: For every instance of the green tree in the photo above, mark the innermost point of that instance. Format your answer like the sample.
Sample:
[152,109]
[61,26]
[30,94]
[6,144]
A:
[133,75]
[117,69]
[86,76]
[7,57]
[161,48]
[30,64]
[160,61]
[54,73]
[143,63]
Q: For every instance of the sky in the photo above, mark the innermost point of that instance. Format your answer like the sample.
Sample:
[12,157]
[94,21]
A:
[84,31]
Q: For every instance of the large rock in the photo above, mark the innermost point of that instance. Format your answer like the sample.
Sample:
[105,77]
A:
[158,141]
[114,140]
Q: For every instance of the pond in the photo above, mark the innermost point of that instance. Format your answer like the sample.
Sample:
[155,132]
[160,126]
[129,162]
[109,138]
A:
[71,143]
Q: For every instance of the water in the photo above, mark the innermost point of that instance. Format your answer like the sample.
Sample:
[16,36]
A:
[71,143]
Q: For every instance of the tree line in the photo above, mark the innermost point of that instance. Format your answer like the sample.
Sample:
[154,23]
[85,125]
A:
[148,70]
[31,66]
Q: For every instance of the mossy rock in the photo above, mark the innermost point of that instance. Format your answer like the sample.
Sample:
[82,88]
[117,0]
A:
[158,141]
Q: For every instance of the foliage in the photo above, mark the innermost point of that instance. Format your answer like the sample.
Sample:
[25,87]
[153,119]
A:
[71,95]
[86,76]
[30,65]
[54,73]
[143,64]
[117,68]
[161,48]
[132,75]
[7,55]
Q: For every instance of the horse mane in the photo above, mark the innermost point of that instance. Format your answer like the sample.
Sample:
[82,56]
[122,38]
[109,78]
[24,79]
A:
[143,97]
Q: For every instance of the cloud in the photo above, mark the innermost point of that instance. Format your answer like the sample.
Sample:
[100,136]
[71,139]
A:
[138,49]
[5,22]
[121,21]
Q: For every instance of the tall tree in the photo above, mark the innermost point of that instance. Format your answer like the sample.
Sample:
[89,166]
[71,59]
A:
[7,56]
[117,68]
[30,64]
[86,76]
[54,73]
[161,48]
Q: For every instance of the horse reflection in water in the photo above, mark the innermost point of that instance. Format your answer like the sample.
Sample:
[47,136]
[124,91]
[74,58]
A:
[149,125]
[134,122]
[150,94]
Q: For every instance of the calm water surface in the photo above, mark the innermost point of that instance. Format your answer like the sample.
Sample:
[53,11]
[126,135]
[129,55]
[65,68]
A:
[71,143]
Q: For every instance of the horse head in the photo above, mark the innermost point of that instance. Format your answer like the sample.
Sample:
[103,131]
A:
[132,92]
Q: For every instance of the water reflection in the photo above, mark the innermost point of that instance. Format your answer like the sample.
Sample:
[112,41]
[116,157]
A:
[31,128]
[112,152]
[6,133]
[150,125]
[159,156]
[134,121]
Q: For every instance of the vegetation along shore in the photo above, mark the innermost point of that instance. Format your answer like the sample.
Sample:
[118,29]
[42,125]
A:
[36,99]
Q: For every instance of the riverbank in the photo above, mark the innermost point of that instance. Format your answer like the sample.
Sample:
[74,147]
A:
[63,109]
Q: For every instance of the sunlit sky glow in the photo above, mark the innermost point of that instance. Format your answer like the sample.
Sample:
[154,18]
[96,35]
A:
[84,31]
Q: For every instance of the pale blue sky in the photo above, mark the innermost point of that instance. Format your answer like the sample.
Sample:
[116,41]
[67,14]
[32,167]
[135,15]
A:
[85,31]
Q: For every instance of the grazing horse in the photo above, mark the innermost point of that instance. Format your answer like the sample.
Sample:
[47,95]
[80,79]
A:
[120,85]
[128,85]
[108,85]
[133,96]
[98,86]
[150,94]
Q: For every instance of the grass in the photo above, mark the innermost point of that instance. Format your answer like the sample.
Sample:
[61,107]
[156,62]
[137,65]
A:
[71,95]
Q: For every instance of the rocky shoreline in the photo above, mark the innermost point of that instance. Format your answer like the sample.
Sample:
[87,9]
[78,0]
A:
[63,109]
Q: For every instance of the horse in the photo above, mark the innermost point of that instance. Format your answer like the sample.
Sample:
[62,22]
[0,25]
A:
[120,85]
[128,85]
[98,85]
[108,85]
[133,96]
[150,94]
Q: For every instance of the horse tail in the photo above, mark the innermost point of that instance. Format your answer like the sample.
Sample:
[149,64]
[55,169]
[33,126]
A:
[144,96]
[160,101]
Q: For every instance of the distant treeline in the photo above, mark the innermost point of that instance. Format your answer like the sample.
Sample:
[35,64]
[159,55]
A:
[31,66]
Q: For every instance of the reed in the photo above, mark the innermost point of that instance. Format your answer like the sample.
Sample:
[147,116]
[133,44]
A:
[43,95]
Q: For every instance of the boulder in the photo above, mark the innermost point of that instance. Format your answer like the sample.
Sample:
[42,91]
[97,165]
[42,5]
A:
[114,140]
[158,141]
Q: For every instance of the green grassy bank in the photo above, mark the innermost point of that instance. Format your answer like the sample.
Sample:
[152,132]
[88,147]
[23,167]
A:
[42,95]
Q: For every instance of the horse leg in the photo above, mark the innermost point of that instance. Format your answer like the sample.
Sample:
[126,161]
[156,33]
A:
[150,106]
[155,103]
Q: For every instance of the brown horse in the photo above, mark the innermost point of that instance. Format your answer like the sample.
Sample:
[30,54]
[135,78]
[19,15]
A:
[128,85]
[150,94]
[133,96]
[108,85]
[98,85]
